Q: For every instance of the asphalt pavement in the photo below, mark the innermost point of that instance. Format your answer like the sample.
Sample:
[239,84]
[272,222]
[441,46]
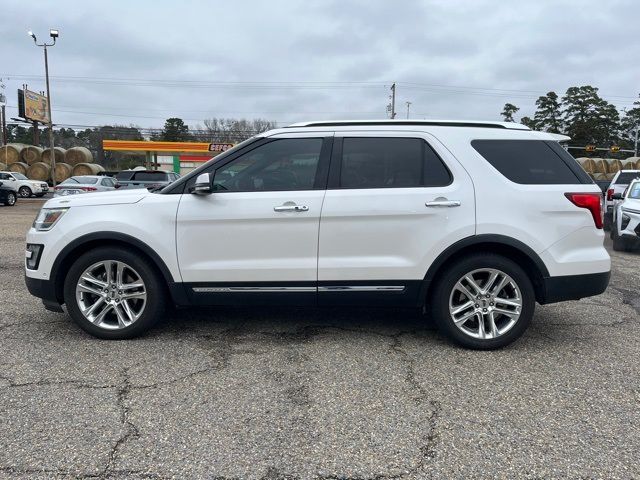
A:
[284,393]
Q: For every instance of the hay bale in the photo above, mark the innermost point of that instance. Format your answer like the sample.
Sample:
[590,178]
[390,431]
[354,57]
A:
[3,167]
[76,155]
[600,176]
[31,154]
[87,169]
[601,166]
[39,171]
[18,167]
[62,172]
[615,165]
[10,153]
[635,161]
[587,164]
[58,152]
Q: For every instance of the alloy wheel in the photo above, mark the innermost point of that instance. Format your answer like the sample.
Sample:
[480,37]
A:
[111,294]
[24,192]
[485,303]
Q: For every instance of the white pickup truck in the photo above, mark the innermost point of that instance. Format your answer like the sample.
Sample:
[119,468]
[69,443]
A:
[25,187]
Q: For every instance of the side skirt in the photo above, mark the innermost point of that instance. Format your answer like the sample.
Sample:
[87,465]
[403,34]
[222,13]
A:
[391,293]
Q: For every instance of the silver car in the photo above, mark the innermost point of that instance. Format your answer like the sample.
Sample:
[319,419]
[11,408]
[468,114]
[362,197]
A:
[84,184]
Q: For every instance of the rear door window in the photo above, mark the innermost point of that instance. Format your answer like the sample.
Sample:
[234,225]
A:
[532,162]
[391,162]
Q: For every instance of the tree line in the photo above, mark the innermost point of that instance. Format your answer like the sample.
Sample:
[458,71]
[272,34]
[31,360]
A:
[222,130]
[582,114]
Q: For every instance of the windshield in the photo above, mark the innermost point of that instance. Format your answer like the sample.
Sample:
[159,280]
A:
[626,178]
[80,180]
[634,192]
[20,176]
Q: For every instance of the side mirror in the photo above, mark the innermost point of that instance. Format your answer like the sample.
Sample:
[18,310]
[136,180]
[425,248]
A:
[202,185]
[617,196]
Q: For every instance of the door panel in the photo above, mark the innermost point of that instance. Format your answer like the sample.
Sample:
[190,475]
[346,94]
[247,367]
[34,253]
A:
[380,235]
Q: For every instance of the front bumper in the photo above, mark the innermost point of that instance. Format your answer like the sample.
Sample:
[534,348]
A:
[45,290]
[573,287]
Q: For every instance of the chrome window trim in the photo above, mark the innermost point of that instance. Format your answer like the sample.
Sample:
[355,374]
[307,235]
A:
[327,288]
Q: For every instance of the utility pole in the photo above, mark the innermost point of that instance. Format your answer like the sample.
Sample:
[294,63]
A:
[53,34]
[393,100]
[408,106]
[636,144]
[3,113]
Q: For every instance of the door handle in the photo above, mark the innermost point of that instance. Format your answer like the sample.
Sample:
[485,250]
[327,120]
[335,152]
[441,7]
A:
[443,203]
[291,208]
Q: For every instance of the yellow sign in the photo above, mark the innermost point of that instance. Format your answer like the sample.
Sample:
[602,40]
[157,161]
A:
[36,107]
[615,149]
[590,148]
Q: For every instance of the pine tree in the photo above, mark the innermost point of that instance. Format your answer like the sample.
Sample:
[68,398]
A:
[508,111]
[548,116]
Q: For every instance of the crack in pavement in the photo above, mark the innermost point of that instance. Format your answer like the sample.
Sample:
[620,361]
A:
[629,297]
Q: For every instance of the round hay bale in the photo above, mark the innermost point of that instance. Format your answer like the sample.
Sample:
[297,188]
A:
[10,153]
[76,155]
[635,161]
[601,165]
[58,152]
[39,171]
[626,165]
[31,154]
[87,169]
[18,167]
[62,172]
[587,164]
[2,166]
[615,165]
[600,176]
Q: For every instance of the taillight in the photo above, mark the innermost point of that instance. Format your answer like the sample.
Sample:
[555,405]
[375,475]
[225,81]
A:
[88,189]
[590,201]
[609,194]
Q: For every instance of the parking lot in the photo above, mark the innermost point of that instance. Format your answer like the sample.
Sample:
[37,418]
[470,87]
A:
[274,393]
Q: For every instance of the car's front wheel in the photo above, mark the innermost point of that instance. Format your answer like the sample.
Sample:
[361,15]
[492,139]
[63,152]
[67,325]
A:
[483,301]
[11,199]
[24,192]
[113,293]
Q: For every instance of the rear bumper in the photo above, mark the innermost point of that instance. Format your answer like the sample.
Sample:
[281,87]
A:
[573,287]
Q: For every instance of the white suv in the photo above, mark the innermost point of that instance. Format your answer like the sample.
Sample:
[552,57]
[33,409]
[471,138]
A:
[625,227]
[473,221]
[23,185]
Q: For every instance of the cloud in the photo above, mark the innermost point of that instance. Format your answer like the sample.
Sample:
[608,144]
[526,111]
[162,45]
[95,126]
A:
[451,59]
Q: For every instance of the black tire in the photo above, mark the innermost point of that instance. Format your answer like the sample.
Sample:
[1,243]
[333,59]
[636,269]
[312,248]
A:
[154,284]
[25,192]
[445,284]
[619,244]
[11,199]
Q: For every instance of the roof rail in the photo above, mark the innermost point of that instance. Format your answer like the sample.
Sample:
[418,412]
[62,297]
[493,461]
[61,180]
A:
[433,123]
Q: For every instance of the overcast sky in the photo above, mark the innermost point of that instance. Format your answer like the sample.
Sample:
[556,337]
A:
[141,61]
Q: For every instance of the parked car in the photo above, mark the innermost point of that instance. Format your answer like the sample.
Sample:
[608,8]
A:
[618,184]
[25,187]
[8,193]
[151,179]
[84,184]
[625,227]
[473,221]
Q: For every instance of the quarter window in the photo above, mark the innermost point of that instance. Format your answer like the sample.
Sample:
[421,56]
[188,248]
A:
[370,162]
[530,162]
[280,165]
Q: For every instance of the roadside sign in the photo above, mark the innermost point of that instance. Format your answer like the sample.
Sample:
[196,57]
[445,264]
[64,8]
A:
[220,147]
[614,148]
[590,148]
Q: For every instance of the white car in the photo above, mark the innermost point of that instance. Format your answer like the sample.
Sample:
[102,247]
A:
[619,183]
[625,229]
[25,187]
[85,184]
[473,221]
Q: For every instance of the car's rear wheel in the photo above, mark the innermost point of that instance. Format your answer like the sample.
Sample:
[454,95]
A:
[113,294]
[483,301]
[24,192]
[11,199]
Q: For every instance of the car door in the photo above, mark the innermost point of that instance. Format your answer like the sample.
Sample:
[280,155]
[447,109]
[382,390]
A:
[255,238]
[395,201]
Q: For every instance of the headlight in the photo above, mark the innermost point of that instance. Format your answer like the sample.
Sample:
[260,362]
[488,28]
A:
[47,218]
[625,222]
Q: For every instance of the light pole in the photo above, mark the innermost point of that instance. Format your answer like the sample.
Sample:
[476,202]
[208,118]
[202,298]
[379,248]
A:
[53,34]
[408,106]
